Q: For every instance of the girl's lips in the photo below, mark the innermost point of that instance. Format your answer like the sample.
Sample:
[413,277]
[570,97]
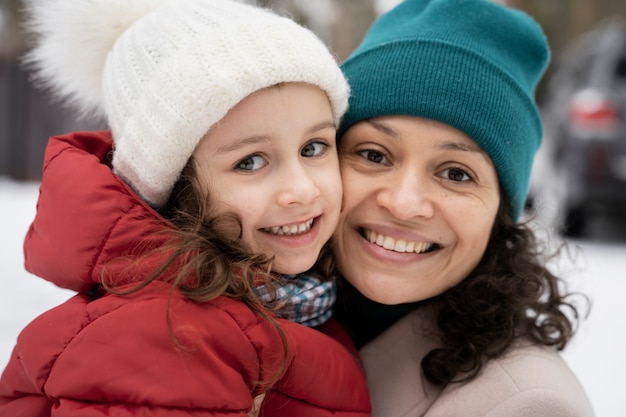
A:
[291,229]
[294,235]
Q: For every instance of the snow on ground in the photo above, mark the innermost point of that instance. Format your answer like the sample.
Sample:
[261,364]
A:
[596,354]
[22,295]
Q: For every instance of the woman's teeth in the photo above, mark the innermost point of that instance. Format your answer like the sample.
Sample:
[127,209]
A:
[294,229]
[399,245]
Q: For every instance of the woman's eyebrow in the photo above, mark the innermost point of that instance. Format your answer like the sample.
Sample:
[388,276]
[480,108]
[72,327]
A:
[460,146]
[444,145]
[384,128]
[253,140]
[465,147]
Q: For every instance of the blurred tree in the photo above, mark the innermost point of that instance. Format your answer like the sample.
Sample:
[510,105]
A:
[565,20]
[340,23]
[12,40]
[27,117]
[353,19]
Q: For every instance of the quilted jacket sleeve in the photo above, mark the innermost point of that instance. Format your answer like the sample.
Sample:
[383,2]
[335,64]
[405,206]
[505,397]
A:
[19,396]
[120,361]
[324,377]
[119,356]
[115,357]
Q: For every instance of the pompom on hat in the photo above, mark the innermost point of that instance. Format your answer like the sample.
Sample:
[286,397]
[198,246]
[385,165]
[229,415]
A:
[163,72]
[471,64]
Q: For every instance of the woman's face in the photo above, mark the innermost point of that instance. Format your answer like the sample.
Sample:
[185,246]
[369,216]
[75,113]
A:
[420,199]
[272,161]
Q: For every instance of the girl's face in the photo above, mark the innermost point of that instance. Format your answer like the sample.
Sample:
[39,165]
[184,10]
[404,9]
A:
[272,160]
[420,200]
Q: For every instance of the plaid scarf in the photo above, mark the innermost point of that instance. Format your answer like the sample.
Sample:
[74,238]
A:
[309,300]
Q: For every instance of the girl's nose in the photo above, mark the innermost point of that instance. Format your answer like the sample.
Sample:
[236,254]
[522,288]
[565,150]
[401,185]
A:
[297,187]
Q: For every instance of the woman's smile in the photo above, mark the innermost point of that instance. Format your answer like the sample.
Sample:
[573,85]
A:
[410,185]
[397,245]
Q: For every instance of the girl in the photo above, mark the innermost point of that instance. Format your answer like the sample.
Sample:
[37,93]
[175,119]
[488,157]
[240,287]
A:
[219,172]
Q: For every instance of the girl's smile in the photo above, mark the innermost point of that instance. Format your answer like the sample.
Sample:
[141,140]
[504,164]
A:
[272,161]
[290,230]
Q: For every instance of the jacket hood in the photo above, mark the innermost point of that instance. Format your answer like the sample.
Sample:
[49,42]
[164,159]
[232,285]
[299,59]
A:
[87,216]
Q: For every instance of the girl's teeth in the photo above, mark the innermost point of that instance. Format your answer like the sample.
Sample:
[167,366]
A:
[291,230]
[399,245]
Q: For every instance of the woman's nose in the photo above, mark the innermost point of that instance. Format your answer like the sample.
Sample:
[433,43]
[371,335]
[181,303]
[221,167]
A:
[408,196]
[297,186]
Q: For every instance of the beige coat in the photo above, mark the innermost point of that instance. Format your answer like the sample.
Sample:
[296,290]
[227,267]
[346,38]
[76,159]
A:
[528,381]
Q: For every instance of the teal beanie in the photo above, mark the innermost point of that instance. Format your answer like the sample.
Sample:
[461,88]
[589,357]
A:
[471,64]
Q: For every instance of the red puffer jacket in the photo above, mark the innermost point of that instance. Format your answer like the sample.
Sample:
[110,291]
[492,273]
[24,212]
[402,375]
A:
[115,356]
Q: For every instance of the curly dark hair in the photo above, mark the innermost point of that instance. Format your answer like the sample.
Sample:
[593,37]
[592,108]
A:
[511,294]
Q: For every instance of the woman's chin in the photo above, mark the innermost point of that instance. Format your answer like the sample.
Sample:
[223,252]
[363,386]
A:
[383,293]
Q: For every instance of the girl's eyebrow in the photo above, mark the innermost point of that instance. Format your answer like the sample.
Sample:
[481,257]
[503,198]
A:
[254,140]
[327,124]
[239,143]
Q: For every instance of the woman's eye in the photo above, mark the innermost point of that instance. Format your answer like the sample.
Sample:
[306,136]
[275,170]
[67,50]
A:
[313,149]
[251,163]
[373,156]
[456,174]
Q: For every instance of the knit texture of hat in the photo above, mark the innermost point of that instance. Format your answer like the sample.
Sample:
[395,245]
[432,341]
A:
[471,64]
[163,72]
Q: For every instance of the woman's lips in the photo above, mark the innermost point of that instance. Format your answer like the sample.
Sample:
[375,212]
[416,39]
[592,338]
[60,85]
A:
[397,245]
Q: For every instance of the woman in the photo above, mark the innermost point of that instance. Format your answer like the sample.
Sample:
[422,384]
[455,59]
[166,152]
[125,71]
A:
[436,151]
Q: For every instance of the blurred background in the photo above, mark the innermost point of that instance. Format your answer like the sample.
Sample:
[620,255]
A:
[577,193]
[580,176]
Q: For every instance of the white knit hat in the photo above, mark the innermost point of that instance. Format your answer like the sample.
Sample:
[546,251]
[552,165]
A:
[164,71]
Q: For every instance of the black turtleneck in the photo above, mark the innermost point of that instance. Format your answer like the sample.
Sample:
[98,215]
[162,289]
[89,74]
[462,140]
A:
[363,318]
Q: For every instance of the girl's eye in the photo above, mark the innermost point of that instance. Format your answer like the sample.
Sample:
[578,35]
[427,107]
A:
[313,149]
[251,163]
[456,174]
[373,156]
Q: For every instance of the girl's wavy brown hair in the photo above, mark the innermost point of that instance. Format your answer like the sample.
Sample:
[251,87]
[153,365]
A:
[205,258]
[511,294]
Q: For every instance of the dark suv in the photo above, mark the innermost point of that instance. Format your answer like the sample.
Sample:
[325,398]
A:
[585,118]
